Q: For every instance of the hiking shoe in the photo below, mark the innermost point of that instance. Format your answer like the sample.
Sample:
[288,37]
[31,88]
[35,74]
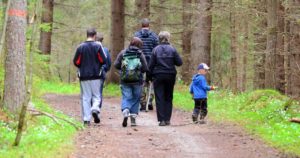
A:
[124,123]
[96,117]
[162,123]
[86,123]
[201,121]
[125,113]
[168,123]
[150,107]
[143,107]
[195,118]
[132,120]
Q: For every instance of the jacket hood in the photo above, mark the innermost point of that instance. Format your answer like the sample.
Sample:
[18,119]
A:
[145,33]
[197,78]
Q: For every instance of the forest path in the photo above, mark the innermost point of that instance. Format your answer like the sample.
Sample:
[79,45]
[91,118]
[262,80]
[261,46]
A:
[147,139]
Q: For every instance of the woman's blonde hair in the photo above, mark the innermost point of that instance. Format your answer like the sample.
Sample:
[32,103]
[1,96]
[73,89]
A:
[164,36]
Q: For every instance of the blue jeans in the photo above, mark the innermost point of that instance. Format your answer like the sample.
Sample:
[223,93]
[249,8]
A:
[131,97]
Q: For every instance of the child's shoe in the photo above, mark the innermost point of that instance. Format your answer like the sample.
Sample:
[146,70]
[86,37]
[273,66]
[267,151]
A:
[195,118]
[201,121]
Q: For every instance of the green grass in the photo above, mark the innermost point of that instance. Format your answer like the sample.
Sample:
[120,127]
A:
[264,113]
[42,137]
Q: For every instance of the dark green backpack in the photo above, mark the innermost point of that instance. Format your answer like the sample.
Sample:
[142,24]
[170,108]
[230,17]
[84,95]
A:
[131,67]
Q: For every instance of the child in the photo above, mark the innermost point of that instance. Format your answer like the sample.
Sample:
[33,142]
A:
[199,90]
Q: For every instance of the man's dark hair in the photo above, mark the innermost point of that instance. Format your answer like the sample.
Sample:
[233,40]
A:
[91,32]
[145,22]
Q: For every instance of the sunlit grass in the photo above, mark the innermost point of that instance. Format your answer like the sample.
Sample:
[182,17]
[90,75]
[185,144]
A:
[264,113]
[42,136]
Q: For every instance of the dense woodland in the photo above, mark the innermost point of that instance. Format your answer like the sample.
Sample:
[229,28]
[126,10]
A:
[249,44]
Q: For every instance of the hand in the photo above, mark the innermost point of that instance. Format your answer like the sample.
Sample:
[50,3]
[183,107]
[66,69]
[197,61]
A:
[213,87]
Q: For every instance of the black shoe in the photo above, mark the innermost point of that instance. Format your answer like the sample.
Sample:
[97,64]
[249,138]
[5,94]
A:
[162,123]
[96,117]
[195,119]
[86,123]
[201,121]
[168,123]
[150,107]
[143,107]
[124,123]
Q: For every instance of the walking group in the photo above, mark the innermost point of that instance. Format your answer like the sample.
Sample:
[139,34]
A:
[147,68]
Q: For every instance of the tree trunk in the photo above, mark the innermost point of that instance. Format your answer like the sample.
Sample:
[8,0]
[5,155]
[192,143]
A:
[270,69]
[287,74]
[201,36]
[279,58]
[3,27]
[233,48]
[142,9]
[295,48]
[245,54]
[47,19]
[15,73]
[117,35]
[260,46]
[160,16]
[186,37]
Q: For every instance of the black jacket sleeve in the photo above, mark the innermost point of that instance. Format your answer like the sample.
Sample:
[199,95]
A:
[144,63]
[177,59]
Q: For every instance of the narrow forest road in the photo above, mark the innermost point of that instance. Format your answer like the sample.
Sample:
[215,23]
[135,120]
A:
[181,139]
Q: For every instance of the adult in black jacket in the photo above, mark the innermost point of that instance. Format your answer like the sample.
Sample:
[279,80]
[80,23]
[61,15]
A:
[163,73]
[89,58]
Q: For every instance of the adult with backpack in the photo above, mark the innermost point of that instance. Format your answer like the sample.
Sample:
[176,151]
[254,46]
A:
[163,73]
[132,63]
[89,58]
[150,41]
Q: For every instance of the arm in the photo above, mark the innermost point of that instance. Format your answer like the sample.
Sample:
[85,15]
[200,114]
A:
[101,55]
[144,63]
[177,58]
[151,65]
[191,88]
[204,84]
[108,63]
[77,58]
[118,61]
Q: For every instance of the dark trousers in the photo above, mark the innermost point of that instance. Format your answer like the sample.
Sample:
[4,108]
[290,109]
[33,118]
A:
[200,107]
[163,88]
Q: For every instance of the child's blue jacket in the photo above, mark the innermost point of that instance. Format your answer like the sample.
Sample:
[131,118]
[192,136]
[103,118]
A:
[199,87]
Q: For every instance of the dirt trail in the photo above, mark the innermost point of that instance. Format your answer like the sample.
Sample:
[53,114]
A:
[181,139]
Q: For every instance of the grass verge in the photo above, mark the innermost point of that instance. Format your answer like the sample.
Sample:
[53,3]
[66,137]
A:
[264,113]
[42,137]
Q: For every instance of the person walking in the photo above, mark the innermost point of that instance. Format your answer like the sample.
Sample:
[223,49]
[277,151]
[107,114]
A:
[150,41]
[199,89]
[132,63]
[163,73]
[105,67]
[89,58]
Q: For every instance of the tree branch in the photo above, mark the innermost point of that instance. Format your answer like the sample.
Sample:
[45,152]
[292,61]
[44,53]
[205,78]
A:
[36,112]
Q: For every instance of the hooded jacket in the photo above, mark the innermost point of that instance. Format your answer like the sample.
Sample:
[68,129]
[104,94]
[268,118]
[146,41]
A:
[199,87]
[150,41]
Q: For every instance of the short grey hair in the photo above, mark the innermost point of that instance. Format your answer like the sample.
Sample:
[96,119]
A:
[164,36]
